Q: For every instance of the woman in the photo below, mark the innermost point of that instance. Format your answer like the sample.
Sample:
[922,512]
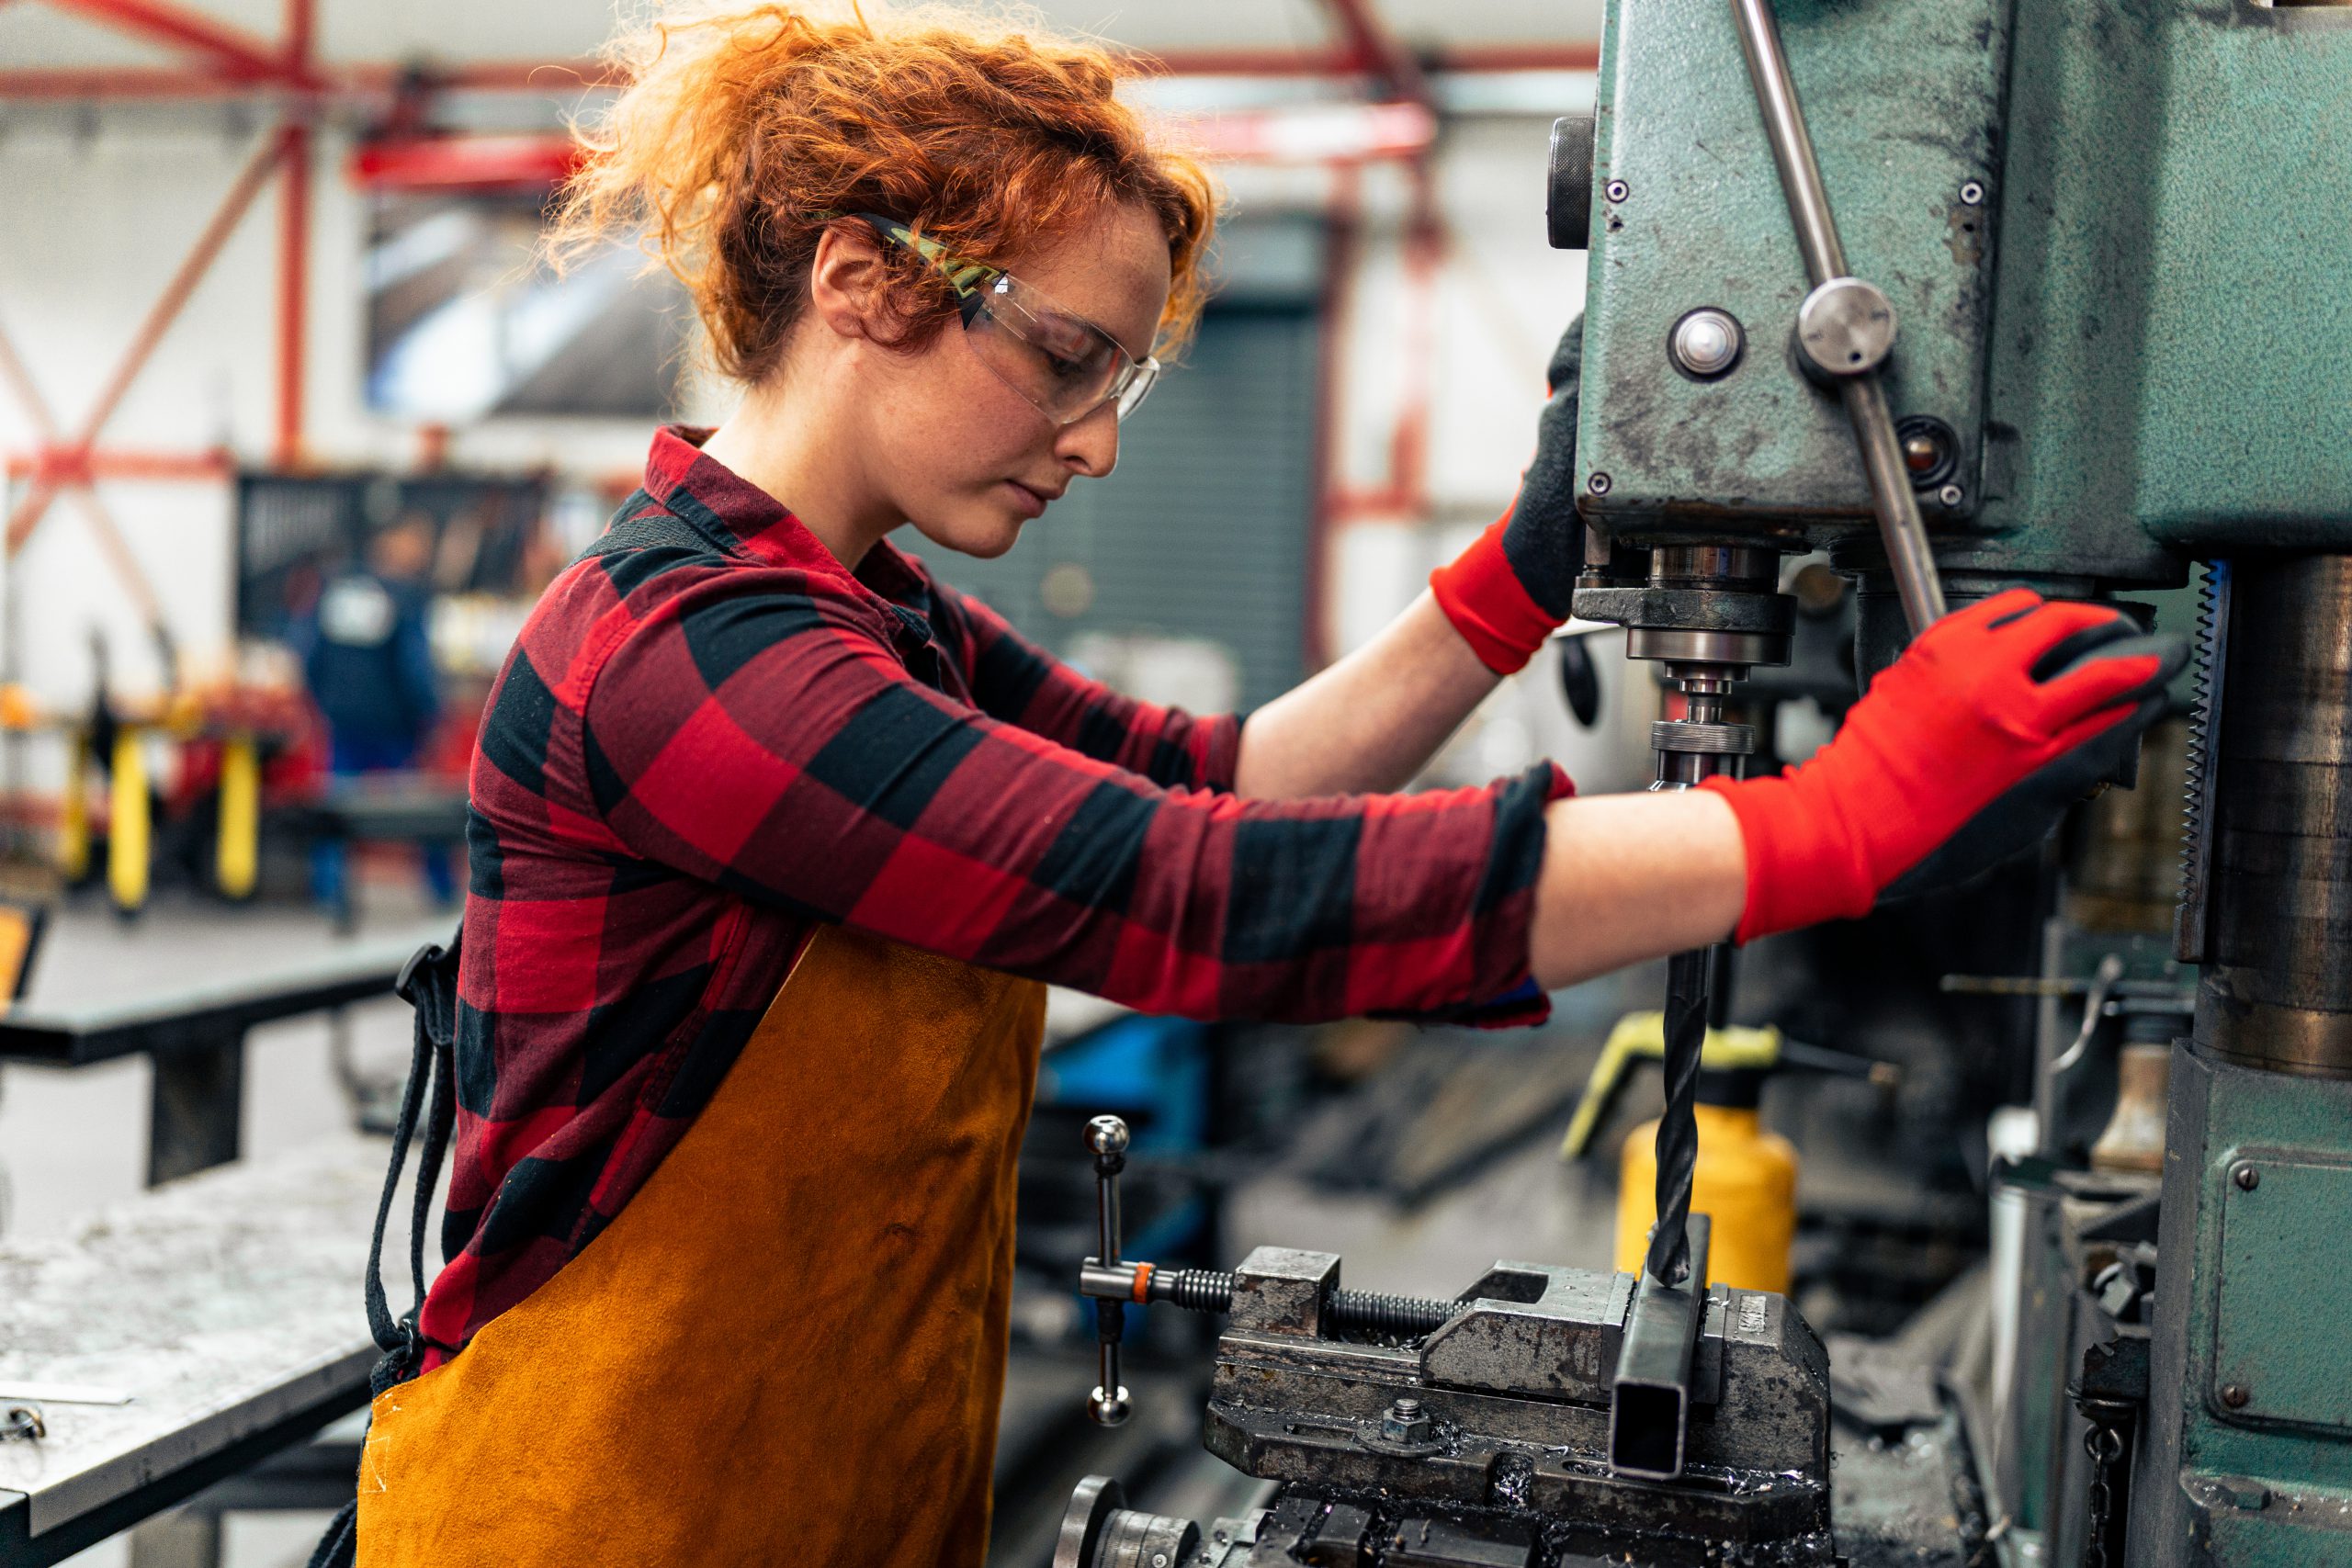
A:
[775,839]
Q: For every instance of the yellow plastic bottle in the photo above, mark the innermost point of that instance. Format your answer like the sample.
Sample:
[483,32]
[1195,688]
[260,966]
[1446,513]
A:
[1747,1182]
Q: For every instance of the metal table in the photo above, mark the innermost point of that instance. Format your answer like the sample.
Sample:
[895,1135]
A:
[196,1035]
[227,1306]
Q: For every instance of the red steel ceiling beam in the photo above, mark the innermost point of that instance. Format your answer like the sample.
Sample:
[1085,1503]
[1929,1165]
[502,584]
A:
[66,466]
[1374,48]
[234,53]
[374,78]
[1583,55]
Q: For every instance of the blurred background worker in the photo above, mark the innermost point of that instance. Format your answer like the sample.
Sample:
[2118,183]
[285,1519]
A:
[367,656]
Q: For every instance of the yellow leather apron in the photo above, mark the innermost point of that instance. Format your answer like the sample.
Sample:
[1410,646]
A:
[789,1345]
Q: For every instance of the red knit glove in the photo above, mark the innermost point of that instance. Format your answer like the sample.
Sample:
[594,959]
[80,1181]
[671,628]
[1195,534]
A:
[1967,749]
[1509,590]
[1489,605]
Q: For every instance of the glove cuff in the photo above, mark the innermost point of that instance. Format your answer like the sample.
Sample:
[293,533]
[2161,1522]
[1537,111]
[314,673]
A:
[1803,865]
[1489,606]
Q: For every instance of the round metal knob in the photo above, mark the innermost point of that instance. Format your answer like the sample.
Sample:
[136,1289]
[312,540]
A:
[1846,327]
[1706,343]
[1112,1411]
[1107,1135]
[1567,203]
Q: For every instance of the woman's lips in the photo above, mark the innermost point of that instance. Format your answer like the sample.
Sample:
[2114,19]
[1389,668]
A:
[1031,503]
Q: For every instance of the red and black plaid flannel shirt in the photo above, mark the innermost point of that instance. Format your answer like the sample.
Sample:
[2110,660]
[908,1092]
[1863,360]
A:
[700,753]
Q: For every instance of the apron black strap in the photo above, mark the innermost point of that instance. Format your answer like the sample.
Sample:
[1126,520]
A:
[339,1547]
[429,984]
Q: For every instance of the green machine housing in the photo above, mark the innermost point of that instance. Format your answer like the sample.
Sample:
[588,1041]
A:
[2117,236]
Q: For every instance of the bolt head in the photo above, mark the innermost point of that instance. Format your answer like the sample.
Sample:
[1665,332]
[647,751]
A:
[2235,1396]
[1951,495]
[1598,484]
[1616,190]
[2246,1177]
[1972,193]
[1107,1135]
[1404,1421]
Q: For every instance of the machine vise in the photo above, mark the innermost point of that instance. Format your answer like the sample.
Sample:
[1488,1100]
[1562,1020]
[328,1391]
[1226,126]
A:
[1544,1416]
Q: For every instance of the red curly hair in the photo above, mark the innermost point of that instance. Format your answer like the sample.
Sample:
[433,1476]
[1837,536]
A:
[740,125]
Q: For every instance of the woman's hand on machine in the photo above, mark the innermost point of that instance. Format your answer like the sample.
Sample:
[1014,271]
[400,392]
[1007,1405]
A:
[1510,589]
[1966,750]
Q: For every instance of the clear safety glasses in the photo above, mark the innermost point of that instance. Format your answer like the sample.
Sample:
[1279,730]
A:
[1062,363]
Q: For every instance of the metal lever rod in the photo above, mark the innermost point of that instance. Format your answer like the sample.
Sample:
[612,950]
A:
[1825,261]
[1775,95]
[1107,1137]
[1899,528]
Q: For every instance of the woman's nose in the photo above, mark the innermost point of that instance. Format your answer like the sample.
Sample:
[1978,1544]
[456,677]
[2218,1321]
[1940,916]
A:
[1091,446]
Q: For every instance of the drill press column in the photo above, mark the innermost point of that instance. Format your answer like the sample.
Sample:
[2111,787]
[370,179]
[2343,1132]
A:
[2248,1453]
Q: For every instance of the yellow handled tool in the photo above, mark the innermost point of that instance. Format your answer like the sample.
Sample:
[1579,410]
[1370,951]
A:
[1745,1179]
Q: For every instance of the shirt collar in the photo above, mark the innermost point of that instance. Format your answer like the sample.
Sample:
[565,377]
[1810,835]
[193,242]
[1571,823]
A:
[753,524]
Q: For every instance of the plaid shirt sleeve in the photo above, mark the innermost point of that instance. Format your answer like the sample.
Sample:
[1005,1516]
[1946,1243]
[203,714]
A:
[1014,679]
[760,735]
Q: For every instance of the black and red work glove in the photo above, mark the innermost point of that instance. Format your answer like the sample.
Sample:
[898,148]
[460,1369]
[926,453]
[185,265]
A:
[1510,589]
[1964,751]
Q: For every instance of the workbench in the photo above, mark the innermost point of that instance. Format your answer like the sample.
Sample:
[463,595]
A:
[195,1036]
[225,1306]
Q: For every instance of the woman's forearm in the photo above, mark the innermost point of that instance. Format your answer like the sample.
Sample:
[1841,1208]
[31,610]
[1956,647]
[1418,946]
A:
[1372,720]
[1628,877]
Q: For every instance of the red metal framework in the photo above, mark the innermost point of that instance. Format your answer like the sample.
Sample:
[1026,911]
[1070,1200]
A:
[1371,48]
[72,465]
[216,60]
[372,80]
[217,47]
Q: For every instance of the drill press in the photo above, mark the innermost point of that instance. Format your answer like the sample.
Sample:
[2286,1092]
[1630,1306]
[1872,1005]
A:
[2080,323]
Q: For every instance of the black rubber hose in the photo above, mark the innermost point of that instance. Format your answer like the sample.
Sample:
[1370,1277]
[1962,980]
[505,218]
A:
[1678,1131]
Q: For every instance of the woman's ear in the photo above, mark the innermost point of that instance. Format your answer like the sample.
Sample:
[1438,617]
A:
[849,284]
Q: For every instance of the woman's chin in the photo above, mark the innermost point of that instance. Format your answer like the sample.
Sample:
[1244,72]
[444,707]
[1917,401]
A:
[985,539]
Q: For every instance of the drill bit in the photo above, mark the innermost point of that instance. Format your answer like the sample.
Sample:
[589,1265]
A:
[1687,975]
